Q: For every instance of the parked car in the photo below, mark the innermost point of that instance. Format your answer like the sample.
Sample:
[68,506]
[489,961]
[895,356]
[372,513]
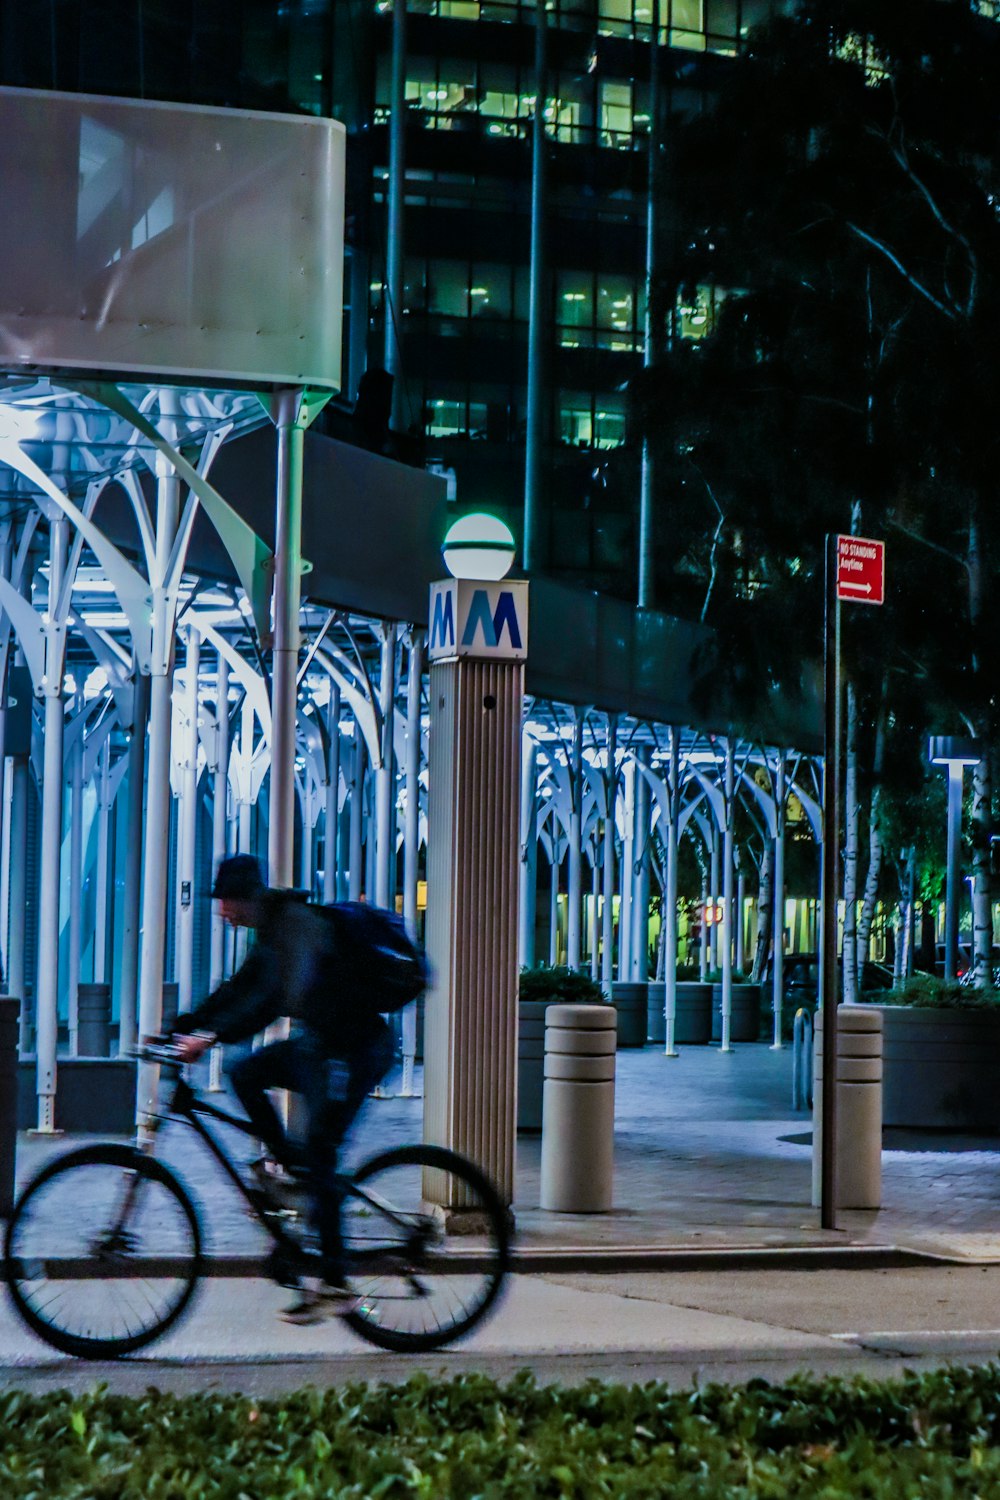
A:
[801,978]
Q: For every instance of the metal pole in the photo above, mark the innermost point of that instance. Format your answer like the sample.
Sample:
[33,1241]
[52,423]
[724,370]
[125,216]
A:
[75,877]
[288,420]
[592,925]
[528,891]
[47,972]
[608,873]
[132,893]
[357,814]
[152,941]
[554,904]
[670,895]
[220,799]
[781,795]
[411,833]
[331,810]
[640,857]
[188,827]
[16,951]
[831,847]
[538,311]
[726,935]
[954,875]
[713,940]
[6,782]
[575,903]
[385,784]
[741,901]
[646,593]
[102,906]
[395,250]
[627,874]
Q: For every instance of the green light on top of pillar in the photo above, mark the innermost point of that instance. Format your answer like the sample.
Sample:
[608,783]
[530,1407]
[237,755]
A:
[480,547]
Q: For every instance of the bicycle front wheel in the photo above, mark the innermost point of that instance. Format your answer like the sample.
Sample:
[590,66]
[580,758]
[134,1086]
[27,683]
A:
[425,1277]
[102,1252]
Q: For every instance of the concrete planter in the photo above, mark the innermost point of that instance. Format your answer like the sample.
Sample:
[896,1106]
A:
[941,1068]
[656,1025]
[531,1062]
[745,1019]
[95,1095]
[630,1001]
[693,1023]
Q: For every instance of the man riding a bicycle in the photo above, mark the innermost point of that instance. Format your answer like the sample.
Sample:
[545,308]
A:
[338,1050]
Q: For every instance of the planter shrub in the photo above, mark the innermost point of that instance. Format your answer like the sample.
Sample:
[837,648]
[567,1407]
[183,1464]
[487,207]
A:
[928,1434]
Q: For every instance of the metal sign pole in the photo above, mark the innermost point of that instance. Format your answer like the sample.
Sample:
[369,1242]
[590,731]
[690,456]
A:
[829,995]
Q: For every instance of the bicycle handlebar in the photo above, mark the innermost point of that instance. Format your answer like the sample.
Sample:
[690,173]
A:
[161,1050]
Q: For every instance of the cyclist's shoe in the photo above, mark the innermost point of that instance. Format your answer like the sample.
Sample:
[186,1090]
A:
[316,1304]
[285,1189]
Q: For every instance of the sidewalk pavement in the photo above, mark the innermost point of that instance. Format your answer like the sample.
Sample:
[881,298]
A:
[710,1160]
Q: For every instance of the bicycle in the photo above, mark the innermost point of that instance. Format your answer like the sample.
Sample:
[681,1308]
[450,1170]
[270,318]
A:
[109,1234]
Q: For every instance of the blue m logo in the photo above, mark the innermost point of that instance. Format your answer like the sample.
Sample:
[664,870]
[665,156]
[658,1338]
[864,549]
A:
[492,622]
[443,621]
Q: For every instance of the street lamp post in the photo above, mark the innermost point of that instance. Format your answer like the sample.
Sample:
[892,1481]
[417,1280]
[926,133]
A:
[956,754]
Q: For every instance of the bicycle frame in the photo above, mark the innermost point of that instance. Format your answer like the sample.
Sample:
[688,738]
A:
[187,1105]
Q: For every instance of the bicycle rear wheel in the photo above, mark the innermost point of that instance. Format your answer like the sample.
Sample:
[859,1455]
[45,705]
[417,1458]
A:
[422,1286]
[102,1252]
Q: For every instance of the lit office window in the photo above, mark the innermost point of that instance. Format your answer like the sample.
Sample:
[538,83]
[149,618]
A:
[697,310]
[448,288]
[576,419]
[574,307]
[490,292]
[446,418]
[616,310]
[609,422]
[616,113]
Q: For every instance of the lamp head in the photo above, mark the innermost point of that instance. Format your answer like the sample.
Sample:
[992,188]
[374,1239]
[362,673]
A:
[952,750]
[480,547]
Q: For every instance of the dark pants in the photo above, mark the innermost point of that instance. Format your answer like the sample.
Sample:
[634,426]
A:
[332,1091]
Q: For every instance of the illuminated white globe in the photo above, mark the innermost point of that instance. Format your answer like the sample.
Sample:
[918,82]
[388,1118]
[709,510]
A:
[479,547]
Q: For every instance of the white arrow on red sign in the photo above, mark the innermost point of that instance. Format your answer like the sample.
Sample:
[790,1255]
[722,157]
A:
[860,570]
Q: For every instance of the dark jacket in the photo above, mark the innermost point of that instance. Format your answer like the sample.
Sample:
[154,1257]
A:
[290,970]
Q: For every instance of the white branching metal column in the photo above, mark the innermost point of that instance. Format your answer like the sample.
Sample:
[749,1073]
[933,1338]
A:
[356,814]
[219,767]
[132,893]
[331,812]
[188,823]
[574,922]
[411,830]
[528,890]
[670,893]
[640,857]
[288,414]
[155,864]
[385,782]
[47,973]
[102,905]
[780,809]
[78,731]
[726,925]
[608,872]
[626,874]
[476,700]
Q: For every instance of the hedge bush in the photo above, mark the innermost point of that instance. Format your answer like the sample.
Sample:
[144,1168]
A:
[927,992]
[927,1435]
[557,984]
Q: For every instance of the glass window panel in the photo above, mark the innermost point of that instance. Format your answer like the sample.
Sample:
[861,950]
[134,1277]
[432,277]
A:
[576,420]
[616,303]
[415,286]
[522,293]
[615,17]
[609,422]
[445,418]
[720,17]
[448,285]
[459,10]
[490,291]
[477,419]
[574,299]
[688,15]
[616,113]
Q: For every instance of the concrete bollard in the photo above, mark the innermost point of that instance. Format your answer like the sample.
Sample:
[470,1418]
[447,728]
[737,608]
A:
[94,1020]
[8,1101]
[859,1107]
[578,1112]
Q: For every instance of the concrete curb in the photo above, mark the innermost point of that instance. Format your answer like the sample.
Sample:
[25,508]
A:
[630,1258]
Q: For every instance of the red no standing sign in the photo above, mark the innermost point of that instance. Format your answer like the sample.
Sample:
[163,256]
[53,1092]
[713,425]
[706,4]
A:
[860,570]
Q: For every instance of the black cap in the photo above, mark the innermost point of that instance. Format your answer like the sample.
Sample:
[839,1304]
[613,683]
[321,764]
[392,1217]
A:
[238,878]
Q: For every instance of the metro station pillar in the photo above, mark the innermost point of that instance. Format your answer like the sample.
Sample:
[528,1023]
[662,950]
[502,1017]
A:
[477,649]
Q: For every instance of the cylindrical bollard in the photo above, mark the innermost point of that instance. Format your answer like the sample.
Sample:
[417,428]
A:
[94,1020]
[859,1107]
[530,1062]
[578,1113]
[9,1010]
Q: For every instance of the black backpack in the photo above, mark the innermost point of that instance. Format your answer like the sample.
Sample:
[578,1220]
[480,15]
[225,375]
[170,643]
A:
[376,956]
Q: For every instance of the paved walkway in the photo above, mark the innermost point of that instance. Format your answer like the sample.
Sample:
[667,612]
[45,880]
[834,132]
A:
[709,1155]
